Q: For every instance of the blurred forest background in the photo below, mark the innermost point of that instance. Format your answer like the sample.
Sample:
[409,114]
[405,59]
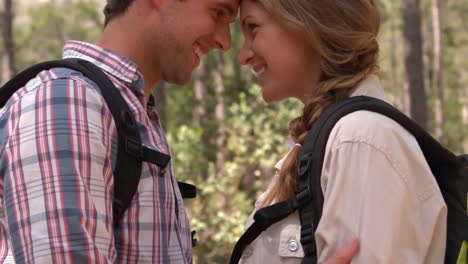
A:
[224,138]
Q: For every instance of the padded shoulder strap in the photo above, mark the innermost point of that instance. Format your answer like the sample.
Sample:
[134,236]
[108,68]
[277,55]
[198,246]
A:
[263,219]
[130,153]
[312,154]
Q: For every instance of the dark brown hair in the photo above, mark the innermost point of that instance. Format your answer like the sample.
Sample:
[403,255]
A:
[115,8]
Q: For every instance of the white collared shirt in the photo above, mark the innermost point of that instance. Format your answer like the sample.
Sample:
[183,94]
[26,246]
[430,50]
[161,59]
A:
[377,187]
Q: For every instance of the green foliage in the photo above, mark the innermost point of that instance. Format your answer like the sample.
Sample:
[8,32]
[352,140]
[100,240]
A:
[454,43]
[256,133]
[40,35]
[257,139]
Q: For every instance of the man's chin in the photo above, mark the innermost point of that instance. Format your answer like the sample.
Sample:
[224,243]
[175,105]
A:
[181,79]
[184,81]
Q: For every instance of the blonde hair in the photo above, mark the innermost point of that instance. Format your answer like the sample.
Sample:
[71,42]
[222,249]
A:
[344,34]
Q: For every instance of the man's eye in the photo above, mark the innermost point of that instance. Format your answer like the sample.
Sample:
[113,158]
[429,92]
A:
[220,14]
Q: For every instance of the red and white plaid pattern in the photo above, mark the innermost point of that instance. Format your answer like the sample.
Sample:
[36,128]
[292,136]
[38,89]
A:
[58,145]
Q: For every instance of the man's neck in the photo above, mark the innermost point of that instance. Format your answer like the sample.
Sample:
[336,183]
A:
[124,38]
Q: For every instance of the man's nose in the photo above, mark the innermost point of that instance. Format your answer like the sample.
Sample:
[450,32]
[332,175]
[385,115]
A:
[222,38]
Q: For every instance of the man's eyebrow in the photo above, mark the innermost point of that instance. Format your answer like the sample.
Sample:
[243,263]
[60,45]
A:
[228,8]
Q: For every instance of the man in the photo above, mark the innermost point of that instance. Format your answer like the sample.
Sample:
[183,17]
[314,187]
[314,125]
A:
[58,141]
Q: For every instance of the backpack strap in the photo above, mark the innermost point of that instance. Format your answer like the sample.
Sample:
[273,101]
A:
[309,167]
[130,152]
[312,154]
[264,218]
[464,159]
[309,197]
[188,191]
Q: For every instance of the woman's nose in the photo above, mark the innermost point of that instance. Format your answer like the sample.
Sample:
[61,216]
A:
[245,54]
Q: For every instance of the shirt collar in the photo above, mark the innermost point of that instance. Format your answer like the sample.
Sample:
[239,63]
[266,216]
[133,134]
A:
[370,86]
[113,63]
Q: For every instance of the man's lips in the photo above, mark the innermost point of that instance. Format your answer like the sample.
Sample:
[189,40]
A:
[199,53]
[259,69]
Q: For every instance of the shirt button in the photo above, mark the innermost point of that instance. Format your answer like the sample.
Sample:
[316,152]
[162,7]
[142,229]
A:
[293,246]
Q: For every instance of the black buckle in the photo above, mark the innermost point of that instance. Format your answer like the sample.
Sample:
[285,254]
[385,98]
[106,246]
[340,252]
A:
[302,198]
[304,165]
[155,157]
[163,169]
[187,190]
[463,159]
[307,234]
[194,240]
[137,150]
[133,148]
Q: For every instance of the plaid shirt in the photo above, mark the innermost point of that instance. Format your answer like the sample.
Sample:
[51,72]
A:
[58,145]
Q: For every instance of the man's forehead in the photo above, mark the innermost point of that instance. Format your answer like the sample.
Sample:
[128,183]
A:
[234,3]
[232,6]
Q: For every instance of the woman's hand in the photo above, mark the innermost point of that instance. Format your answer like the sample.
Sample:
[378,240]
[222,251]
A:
[345,254]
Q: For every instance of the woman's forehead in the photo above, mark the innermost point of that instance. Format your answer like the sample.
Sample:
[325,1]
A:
[248,7]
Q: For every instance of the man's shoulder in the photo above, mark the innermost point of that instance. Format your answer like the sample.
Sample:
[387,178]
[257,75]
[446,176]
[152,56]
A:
[61,77]
[57,84]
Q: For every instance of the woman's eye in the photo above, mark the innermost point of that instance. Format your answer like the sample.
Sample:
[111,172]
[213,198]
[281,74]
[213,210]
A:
[252,26]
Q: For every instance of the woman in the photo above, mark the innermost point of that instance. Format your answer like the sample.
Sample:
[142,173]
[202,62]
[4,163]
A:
[376,183]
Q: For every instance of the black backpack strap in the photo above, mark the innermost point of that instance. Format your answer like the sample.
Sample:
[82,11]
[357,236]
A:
[309,197]
[310,164]
[464,159]
[130,152]
[187,190]
[312,154]
[264,218]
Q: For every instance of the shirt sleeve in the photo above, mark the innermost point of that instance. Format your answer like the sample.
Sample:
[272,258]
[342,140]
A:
[385,196]
[58,175]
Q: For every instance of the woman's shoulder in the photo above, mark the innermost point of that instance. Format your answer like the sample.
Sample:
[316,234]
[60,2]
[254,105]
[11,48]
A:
[367,126]
[370,128]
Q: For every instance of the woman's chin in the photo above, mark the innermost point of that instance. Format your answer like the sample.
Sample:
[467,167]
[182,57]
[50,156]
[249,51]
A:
[271,98]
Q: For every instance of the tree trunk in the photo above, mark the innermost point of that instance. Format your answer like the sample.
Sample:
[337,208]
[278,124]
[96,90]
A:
[220,115]
[395,89]
[414,61]
[464,121]
[438,71]
[8,42]
[201,91]
[463,95]
[200,114]
[3,72]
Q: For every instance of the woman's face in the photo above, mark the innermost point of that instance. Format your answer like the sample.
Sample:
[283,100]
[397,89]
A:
[285,62]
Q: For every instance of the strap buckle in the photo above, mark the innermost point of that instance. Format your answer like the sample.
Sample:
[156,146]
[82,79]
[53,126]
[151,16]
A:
[308,240]
[194,240]
[301,198]
[141,152]
[304,165]
[464,159]
[187,190]
[133,148]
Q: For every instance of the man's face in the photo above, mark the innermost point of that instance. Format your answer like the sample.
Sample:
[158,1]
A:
[188,30]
